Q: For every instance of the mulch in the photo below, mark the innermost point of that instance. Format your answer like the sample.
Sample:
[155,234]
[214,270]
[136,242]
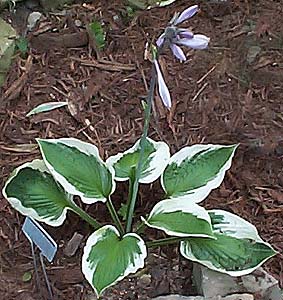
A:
[225,94]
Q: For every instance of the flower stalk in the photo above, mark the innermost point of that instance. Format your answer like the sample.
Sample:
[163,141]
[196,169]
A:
[175,37]
[138,170]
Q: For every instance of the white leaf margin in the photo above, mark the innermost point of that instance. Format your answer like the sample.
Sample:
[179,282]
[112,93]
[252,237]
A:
[94,238]
[199,194]
[45,107]
[39,165]
[86,148]
[161,3]
[176,204]
[158,163]
[235,226]
[245,230]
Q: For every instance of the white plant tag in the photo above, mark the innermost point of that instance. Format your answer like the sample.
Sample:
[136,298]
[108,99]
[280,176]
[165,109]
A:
[37,235]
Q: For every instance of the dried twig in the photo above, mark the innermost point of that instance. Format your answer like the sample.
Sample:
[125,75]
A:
[106,65]
[15,89]
[199,92]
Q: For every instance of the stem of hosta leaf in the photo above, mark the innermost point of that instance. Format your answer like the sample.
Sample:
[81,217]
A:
[130,194]
[137,173]
[140,228]
[162,242]
[85,216]
[114,216]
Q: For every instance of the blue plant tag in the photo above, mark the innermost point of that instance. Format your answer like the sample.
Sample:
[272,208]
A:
[37,235]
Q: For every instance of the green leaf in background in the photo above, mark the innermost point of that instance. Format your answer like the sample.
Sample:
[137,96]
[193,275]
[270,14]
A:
[7,47]
[108,257]
[253,53]
[22,45]
[194,171]
[79,168]
[98,34]
[130,11]
[32,191]
[238,249]
[27,276]
[123,211]
[46,107]
[156,157]
[179,217]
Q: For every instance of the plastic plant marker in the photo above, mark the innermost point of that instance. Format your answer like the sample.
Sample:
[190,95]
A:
[48,285]
[37,235]
[35,268]
[46,245]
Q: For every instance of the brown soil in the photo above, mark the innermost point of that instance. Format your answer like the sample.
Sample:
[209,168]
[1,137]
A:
[221,95]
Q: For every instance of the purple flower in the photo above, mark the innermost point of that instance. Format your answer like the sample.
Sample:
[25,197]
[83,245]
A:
[178,52]
[160,40]
[177,37]
[185,33]
[162,87]
[186,14]
[198,41]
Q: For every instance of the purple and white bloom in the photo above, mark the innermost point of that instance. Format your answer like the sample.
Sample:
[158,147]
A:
[175,37]
[186,14]
[178,52]
[160,40]
[199,41]
[162,87]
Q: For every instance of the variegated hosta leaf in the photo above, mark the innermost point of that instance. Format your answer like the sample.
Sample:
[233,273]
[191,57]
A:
[108,257]
[155,159]
[238,249]
[179,217]
[79,168]
[147,4]
[32,191]
[45,107]
[194,171]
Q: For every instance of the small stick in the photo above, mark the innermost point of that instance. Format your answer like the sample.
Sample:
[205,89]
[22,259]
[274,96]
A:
[205,75]
[199,92]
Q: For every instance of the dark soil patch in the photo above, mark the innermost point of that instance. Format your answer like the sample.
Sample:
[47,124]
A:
[221,95]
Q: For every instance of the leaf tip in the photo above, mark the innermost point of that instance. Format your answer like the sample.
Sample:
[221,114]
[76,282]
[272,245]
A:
[41,142]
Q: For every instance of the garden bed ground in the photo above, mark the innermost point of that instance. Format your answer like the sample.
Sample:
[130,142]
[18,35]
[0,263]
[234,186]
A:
[230,93]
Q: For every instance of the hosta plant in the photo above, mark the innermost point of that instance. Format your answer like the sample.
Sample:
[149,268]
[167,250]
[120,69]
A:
[44,190]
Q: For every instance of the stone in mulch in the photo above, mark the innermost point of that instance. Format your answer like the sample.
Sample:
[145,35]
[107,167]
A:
[73,244]
[231,297]
[259,283]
